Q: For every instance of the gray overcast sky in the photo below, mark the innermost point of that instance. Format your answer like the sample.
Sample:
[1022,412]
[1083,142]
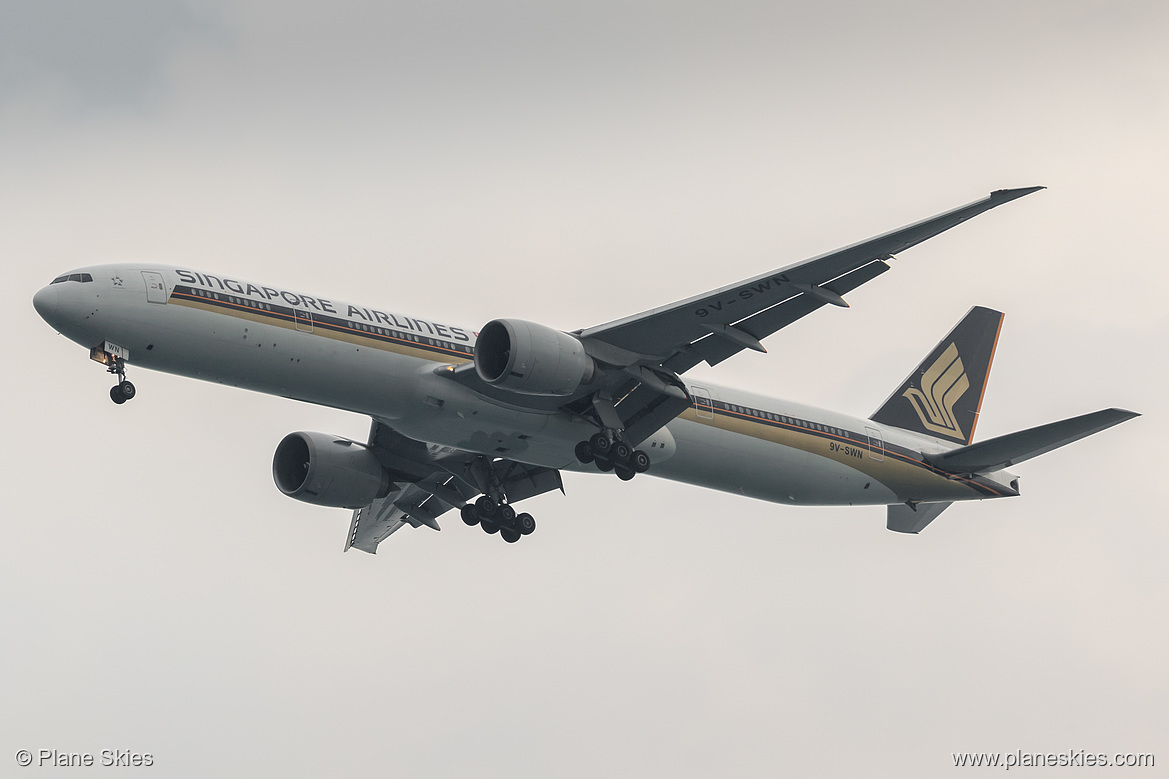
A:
[572,164]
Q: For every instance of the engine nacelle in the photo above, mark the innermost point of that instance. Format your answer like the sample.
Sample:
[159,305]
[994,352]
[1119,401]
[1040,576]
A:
[531,359]
[328,470]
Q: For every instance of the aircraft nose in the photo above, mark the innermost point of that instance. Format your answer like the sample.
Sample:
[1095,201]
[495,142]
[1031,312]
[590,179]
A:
[46,303]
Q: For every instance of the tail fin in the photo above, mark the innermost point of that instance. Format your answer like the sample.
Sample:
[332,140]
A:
[943,395]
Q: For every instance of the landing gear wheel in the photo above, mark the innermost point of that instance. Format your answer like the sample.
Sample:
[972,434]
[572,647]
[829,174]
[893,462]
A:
[604,464]
[127,389]
[526,524]
[486,506]
[625,474]
[470,514]
[506,514]
[488,526]
[601,444]
[116,394]
[584,452]
[510,536]
[621,452]
[639,461]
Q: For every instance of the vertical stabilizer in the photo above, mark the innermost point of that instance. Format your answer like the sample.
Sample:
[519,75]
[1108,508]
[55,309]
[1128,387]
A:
[944,393]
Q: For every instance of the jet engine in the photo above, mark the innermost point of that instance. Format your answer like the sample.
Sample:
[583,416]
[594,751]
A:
[531,359]
[328,470]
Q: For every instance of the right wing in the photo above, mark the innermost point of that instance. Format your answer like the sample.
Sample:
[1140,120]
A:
[415,504]
[431,480]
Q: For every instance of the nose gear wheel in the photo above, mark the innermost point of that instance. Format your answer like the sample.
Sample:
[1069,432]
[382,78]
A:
[124,390]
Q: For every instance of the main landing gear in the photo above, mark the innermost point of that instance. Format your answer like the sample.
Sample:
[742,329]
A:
[123,390]
[610,453]
[498,517]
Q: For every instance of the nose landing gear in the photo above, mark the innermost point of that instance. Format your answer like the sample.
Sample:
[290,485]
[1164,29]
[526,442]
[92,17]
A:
[124,390]
[114,358]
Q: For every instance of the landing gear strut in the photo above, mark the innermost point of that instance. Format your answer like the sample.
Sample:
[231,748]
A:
[498,517]
[124,390]
[609,452]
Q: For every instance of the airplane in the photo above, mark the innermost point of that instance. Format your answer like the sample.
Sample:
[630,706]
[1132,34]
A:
[480,420]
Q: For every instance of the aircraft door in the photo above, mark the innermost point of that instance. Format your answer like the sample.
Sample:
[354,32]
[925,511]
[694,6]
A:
[304,320]
[702,403]
[155,286]
[876,445]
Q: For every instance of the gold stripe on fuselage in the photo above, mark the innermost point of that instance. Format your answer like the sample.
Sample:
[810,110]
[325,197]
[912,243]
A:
[905,475]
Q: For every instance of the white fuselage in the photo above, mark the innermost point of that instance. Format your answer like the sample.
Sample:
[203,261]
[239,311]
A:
[389,366]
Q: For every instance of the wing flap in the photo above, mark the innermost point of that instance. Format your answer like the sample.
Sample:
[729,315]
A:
[373,524]
[521,481]
[432,480]
[645,410]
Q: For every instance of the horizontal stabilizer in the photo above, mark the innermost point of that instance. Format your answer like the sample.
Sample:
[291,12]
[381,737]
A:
[912,518]
[998,453]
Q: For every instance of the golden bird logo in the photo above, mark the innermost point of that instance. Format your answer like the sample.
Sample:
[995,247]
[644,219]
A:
[942,385]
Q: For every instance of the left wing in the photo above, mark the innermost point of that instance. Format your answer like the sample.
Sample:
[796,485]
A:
[431,480]
[638,387]
[713,326]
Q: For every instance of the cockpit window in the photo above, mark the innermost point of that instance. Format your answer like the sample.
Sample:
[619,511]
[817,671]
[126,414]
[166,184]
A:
[82,277]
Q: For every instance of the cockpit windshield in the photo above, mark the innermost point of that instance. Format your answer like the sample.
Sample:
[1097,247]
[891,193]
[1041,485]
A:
[82,277]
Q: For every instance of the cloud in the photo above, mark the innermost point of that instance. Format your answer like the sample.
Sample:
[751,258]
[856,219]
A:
[95,57]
